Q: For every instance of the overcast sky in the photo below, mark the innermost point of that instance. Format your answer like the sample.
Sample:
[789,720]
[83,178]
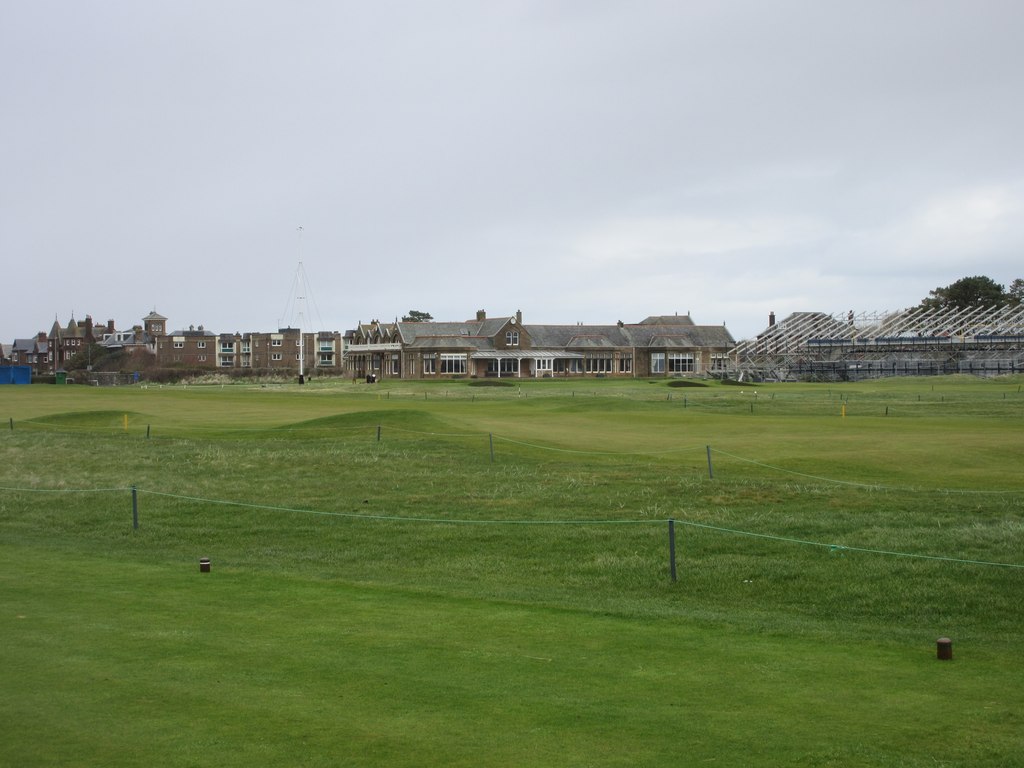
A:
[582,161]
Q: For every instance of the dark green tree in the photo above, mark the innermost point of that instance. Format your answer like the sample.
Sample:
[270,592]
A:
[968,292]
[1015,293]
[415,316]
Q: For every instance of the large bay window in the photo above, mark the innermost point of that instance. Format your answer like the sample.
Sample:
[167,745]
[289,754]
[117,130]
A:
[680,362]
[453,363]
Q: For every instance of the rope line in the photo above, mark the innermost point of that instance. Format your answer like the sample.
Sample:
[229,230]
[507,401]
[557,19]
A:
[844,548]
[65,490]
[520,522]
[804,474]
[594,453]
[395,518]
[879,487]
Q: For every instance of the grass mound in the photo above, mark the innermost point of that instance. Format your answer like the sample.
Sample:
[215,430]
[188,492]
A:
[412,419]
[89,419]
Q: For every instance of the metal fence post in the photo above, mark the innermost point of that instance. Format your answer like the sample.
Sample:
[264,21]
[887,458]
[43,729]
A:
[672,547]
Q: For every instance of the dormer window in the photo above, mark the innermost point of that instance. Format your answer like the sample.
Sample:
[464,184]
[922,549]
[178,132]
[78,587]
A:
[512,338]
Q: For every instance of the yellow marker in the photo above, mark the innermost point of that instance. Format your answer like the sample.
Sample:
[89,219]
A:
[844,410]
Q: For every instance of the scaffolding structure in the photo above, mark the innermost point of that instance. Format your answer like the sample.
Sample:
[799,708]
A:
[921,341]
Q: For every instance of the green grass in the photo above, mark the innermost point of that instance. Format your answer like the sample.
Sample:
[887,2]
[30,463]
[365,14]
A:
[384,593]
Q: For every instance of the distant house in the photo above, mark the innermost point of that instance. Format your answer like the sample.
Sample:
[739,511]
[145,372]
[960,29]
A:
[34,353]
[66,342]
[141,339]
[670,345]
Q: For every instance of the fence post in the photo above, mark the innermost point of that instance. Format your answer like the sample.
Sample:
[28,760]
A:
[711,473]
[672,547]
[12,423]
[490,436]
[378,433]
[135,508]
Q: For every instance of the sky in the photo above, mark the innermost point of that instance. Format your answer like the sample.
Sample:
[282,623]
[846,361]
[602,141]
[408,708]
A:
[581,161]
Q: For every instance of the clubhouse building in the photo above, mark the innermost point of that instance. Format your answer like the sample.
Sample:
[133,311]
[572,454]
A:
[506,347]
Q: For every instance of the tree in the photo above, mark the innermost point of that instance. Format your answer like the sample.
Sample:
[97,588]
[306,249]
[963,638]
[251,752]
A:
[968,292]
[1016,292]
[88,357]
[415,316]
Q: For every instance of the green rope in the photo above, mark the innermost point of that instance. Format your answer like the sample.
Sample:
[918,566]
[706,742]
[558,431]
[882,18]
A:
[843,548]
[464,521]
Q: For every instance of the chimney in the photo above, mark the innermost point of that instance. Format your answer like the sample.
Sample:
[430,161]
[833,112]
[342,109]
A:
[519,317]
[771,319]
[481,315]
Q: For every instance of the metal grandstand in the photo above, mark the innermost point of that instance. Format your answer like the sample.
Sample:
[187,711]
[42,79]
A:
[814,346]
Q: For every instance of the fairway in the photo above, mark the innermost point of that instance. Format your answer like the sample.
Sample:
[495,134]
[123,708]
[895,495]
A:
[454,574]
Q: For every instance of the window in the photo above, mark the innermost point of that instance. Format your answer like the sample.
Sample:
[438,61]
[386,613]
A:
[657,362]
[326,346]
[719,361]
[275,342]
[544,365]
[512,338]
[395,367]
[570,365]
[453,363]
[429,364]
[246,347]
[680,362]
[601,363]
[626,364]
[202,358]
[326,358]
[227,347]
[505,366]
[227,362]
[276,357]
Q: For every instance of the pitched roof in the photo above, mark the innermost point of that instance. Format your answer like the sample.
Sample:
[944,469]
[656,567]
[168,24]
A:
[667,320]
